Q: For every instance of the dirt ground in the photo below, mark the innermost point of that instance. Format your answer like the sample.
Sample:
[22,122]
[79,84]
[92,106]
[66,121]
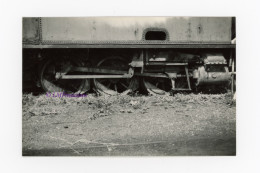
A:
[183,124]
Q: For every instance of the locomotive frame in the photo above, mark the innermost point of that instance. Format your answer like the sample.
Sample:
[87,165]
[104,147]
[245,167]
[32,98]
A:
[204,57]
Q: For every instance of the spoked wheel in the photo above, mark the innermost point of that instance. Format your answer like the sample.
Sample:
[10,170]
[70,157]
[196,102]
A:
[112,86]
[50,84]
[157,86]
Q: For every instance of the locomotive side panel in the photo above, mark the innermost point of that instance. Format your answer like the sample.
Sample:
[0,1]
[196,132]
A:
[95,30]
[31,30]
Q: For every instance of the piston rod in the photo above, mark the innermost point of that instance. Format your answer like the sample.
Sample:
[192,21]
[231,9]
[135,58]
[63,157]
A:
[93,76]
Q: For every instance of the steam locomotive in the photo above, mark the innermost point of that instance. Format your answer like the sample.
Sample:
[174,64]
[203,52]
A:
[118,55]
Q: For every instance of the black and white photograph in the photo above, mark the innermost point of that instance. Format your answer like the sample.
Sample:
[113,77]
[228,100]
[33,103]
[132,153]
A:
[129,86]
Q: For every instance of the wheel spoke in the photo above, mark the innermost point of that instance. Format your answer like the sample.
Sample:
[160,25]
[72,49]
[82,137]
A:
[123,85]
[109,84]
[115,87]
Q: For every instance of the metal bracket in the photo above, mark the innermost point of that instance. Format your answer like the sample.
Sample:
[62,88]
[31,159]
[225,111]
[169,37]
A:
[187,75]
[172,77]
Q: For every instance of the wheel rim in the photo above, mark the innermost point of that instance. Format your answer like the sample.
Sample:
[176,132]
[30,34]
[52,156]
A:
[157,86]
[111,86]
[50,84]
